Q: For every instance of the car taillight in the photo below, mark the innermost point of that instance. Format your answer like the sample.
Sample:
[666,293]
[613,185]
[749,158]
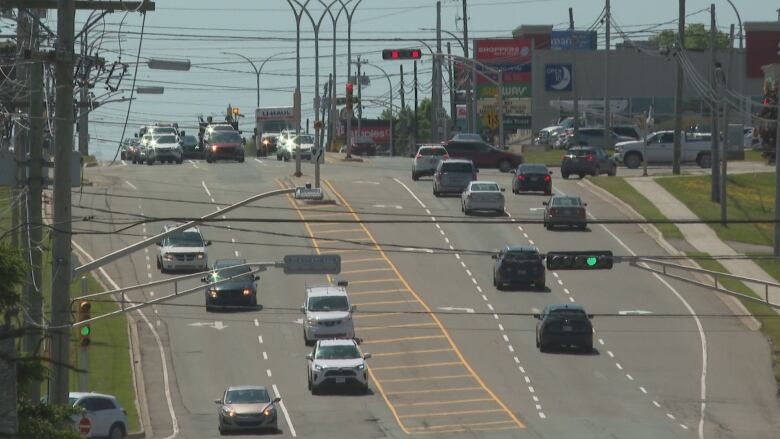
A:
[214,148]
[553,211]
[520,178]
[589,157]
[446,157]
[547,178]
[418,156]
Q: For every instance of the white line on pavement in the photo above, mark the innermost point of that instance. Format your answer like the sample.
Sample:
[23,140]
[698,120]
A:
[260,339]
[284,411]
[500,327]
[655,403]
[257,323]
[511,348]
[236,253]
[259,161]
[412,194]
[506,338]
[131,185]
[265,355]
[203,183]
[643,390]
[268,372]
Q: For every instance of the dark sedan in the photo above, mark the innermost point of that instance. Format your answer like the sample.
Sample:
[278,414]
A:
[518,265]
[564,325]
[190,147]
[240,290]
[565,211]
[223,145]
[532,177]
[587,160]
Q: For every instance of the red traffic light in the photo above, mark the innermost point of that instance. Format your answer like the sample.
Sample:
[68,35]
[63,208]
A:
[401,54]
[349,87]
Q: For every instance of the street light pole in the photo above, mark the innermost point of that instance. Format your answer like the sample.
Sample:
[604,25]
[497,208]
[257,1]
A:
[333,118]
[297,95]
[349,15]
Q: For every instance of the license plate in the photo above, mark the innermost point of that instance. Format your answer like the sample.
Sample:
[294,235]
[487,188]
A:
[567,328]
[340,380]
[534,178]
[520,272]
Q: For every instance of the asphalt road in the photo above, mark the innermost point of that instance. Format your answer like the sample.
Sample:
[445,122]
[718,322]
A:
[452,355]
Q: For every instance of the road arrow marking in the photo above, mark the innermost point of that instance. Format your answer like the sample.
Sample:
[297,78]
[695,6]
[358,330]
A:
[634,312]
[452,308]
[534,209]
[388,206]
[366,182]
[218,325]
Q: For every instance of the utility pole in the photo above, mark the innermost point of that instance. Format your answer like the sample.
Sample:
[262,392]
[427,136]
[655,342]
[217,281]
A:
[403,103]
[678,97]
[19,134]
[607,122]
[574,95]
[453,108]
[725,153]
[715,113]
[776,247]
[469,92]
[84,100]
[414,144]
[359,100]
[61,245]
[436,93]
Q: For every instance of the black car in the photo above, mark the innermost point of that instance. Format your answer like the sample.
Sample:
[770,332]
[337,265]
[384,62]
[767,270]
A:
[563,210]
[129,149]
[518,264]
[241,290]
[564,325]
[532,177]
[587,160]
[190,147]
[223,145]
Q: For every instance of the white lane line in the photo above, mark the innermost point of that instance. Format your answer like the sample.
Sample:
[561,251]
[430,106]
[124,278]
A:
[522,370]
[611,355]
[124,163]
[643,390]
[208,192]
[148,266]
[517,360]
[531,241]
[531,389]
[555,274]
[536,398]
[163,360]
[151,293]
[525,235]
[630,378]
[147,257]
[462,264]
[484,297]
[500,327]
[468,272]
[441,231]
[451,247]
[542,415]
[194,165]
[233,240]
[479,288]
[428,211]
[412,194]
[490,306]
[257,323]
[284,411]
[495,316]
[538,407]
[566,290]
[268,372]
[618,366]
[560,282]
[527,380]
[437,226]
[520,228]
[655,403]
[601,341]
[131,185]
[670,416]
[457,256]
[447,240]
[260,339]
[571,299]
[474,280]
[146,250]
[684,427]
[259,161]
[149,275]
[506,338]
[236,253]
[265,355]
[511,348]
[433,218]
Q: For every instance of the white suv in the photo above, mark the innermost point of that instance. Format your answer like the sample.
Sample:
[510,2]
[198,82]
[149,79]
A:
[184,250]
[328,313]
[107,416]
[337,361]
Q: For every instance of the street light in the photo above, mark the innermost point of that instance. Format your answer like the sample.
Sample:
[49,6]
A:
[334,20]
[349,14]
[297,95]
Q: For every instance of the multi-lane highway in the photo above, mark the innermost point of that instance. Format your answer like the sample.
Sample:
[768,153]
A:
[452,356]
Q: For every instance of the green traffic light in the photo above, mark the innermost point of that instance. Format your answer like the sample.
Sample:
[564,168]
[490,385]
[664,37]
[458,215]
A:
[592,261]
[85,331]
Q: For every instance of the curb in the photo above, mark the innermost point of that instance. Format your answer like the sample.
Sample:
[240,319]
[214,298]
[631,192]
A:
[732,303]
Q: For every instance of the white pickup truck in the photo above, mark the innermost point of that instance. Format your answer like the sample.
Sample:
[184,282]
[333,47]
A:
[694,148]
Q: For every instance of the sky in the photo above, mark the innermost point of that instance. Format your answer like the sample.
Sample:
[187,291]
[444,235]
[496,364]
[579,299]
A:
[198,31]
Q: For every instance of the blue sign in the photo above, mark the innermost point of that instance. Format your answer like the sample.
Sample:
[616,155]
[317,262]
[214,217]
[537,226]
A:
[557,77]
[567,40]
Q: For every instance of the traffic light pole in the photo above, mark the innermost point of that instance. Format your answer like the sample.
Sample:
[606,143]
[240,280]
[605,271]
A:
[84,349]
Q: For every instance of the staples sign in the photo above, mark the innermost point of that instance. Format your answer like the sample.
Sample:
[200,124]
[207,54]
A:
[763,47]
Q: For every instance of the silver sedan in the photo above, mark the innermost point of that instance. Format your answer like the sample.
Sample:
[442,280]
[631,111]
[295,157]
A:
[482,195]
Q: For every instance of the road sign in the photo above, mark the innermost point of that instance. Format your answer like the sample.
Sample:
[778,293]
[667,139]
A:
[312,264]
[308,193]
[85,426]
[318,156]
[491,119]
[317,124]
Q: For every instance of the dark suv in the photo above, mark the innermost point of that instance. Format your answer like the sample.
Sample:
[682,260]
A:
[587,160]
[564,325]
[518,264]
[241,290]
[483,154]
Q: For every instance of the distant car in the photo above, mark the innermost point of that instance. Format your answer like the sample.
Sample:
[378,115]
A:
[123,150]
[564,325]
[108,417]
[587,160]
[482,195]
[183,250]
[164,148]
[243,408]
[532,177]
[223,145]
[190,147]
[363,145]
[426,160]
[626,131]
[327,313]
[518,264]
[595,137]
[567,211]
[288,150]
[453,176]
[467,137]
[130,149]
[337,361]
[483,154]
[239,291]
[268,144]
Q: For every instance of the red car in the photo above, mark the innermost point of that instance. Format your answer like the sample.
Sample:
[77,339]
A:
[223,145]
[483,154]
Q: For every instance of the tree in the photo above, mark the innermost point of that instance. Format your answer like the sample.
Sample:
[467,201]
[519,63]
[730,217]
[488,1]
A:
[697,37]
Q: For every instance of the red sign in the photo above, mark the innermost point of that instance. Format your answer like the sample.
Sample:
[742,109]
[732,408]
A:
[509,78]
[763,47]
[85,426]
[506,51]
[379,130]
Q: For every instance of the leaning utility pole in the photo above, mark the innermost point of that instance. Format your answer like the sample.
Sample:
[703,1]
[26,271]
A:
[714,114]
[469,91]
[436,92]
[574,95]
[725,153]
[607,129]
[414,144]
[678,97]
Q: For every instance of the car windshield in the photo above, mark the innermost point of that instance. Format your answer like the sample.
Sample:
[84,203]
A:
[533,169]
[166,139]
[186,239]
[566,201]
[457,167]
[328,303]
[247,396]
[486,187]
[567,313]
[228,272]
[340,352]
[304,139]
[226,136]
[190,140]
[433,151]
[72,401]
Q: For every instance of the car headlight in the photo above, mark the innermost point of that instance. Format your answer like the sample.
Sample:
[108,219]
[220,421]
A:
[228,411]
[268,412]
[247,292]
[201,256]
[311,321]
[168,257]
[317,367]
[213,148]
[213,293]
[361,366]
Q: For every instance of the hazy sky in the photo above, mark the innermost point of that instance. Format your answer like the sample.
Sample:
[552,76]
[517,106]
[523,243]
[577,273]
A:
[196,30]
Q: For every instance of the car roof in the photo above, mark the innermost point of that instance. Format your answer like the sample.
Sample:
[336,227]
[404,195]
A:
[561,197]
[222,263]
[482,182]
[326,290]
[430,145]
[338,342]
[521,248]
[83,394]
[557,306]
[457,161]
[191,229]
[248,387]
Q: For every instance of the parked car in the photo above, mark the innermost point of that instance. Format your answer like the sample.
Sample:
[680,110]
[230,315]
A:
[660,149]
[427,159]
[547,136]
[327,313]
[190,147]
[563,210]
[183,250]
[532,177]
[108,417]
[241,290]
[595,137]
[243,408]
[518,264]
[453,176]
[587,160]
[223,145]
[626,131]
[467,137]
[483,154]
[564,325]
[482,195]
[363,145]
[164,148]
[337,361]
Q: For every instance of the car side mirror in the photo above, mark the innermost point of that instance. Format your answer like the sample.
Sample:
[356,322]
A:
[303,309]
[551,172]
[494,256]
[158,243]
[276,400]
[217,401]
[503,189]
[538,316]
[544,203]
[513,171]
[352,308]
[366,356]
[204,279]
[590,316]
[208,243]
[309,356]
[257,277]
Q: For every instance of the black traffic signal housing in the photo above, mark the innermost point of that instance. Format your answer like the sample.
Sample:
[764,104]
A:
[401,54]
[85,330]
[580,260]
[350,89]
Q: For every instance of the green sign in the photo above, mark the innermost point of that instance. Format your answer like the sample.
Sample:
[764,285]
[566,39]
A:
[510,91]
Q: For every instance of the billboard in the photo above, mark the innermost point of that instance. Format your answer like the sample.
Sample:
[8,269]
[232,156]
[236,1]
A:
[763,47]
[379,130]
[503,51]
[558,77]
[567,40]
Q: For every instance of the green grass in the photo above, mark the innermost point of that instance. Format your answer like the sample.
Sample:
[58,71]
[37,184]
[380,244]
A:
[620,188]
[750,196]
[751,155]
[770,323]
[549,158]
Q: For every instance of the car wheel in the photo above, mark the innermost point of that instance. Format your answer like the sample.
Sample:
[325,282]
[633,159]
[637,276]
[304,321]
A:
[415,177]
[436,193]
[543,347]
[308,383]
[116,432]
[315,389]
[253,302]
[180,161]
[633,160]
[306,340]
[582,176]
[612,171]
[467,211]
[278,157]
[149,161]
[587,348]
[704,160]
[122,156]
[565,176]
[541,286]
[241,160]
[364,388]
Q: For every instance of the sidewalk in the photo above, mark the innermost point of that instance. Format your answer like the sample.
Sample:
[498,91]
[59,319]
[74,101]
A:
[702,237]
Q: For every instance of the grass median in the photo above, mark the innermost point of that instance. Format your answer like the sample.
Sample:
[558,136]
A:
[620,188]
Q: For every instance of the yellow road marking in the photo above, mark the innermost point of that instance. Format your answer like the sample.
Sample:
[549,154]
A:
[459,430]
[372,292]
[387,302]
[421,351]
[456,401]
[376,314]
[340,231]
[394,340]
[410,325]
[373,281]
[321,215]
[341,251]
[475,424]
[355,261]
[427,308]
[418,366]
[441,377]
[452,389]
[367,270]
[458,412]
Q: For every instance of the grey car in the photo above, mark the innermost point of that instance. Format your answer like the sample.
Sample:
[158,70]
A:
[565,211]
[427,159]
[244,408]
[453,176]
[587,160]
[595,137]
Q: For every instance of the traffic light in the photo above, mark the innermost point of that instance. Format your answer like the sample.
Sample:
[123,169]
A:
[580,260]
[401,54]
[85,330]
[350,88]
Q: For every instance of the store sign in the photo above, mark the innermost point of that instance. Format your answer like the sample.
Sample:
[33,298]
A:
[567,40]
[503,51]
[510,91]
[558,77]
